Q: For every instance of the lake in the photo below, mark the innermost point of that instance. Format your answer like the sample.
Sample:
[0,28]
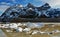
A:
[2,34]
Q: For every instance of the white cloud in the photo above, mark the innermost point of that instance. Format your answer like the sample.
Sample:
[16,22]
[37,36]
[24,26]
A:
[53,3]
[3,8]
[14,1]
[4,3]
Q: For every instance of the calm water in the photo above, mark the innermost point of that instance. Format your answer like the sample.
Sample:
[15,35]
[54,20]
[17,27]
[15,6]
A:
[2,34]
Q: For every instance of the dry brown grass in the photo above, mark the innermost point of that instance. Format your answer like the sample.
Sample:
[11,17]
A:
[45,28]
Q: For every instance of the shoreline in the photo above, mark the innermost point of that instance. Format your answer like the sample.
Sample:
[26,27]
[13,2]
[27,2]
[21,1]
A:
[2,33]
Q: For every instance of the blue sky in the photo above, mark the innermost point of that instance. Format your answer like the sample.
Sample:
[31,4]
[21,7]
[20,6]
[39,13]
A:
[52,3]
[23,2]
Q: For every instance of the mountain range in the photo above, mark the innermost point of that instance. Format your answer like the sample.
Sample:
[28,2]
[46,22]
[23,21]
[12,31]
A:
[30,12]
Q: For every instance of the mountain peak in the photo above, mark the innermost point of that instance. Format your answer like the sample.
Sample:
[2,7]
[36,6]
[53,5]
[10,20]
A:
[30,5]
[44,7]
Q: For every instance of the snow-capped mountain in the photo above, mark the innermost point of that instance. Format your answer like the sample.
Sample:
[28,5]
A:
[20,12]
[53,13]
[30,11]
